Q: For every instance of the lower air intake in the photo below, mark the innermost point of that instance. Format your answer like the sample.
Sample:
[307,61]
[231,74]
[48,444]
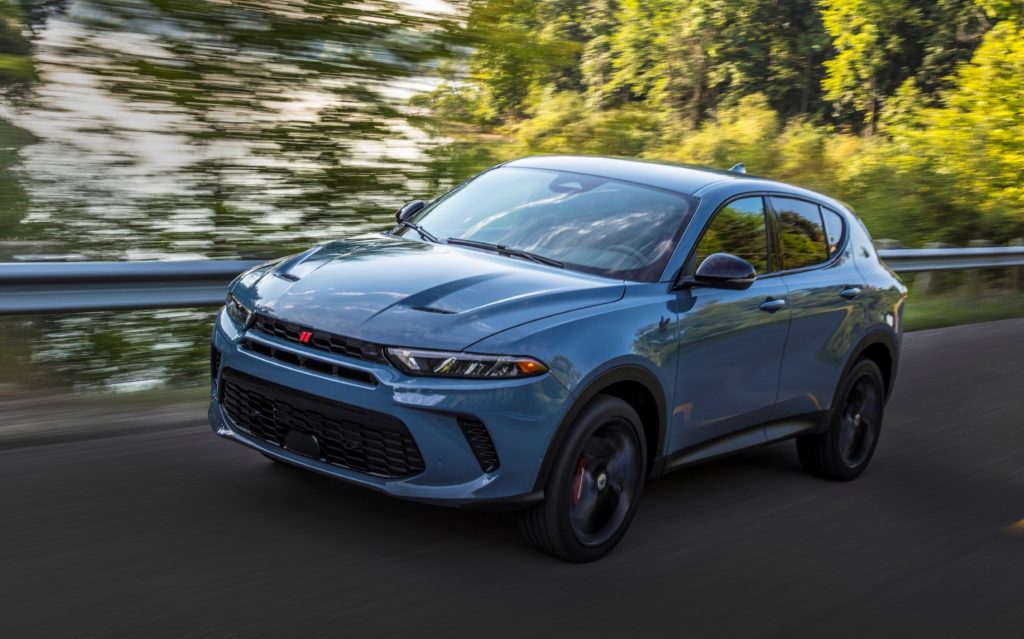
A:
[214,363]
[481,443]
[345,436]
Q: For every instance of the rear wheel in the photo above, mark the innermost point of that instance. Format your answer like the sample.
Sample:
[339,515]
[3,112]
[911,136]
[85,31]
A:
[845,449]
[594,486]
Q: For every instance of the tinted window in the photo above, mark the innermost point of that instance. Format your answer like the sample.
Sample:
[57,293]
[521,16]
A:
[833,229]
[738,228]
[590,223]
[802,234]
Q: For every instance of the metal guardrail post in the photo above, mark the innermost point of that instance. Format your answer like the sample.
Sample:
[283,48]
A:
[973,280]
[923,280]
[1014,280]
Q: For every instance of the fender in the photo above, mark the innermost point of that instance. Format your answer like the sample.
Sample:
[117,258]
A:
[878,335]
[625,373]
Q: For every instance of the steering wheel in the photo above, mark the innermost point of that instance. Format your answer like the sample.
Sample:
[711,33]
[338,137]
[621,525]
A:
[639,258]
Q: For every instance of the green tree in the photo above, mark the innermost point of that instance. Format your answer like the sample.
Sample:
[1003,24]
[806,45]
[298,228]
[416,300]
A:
[16,74]
[1002,9]
[879,44]
[286,106]
[15,63]
[519,46]
[952,31]
[868,36]
[975,140]
[661,55]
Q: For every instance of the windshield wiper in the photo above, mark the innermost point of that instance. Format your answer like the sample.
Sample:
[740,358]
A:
[424,233]
[504,250]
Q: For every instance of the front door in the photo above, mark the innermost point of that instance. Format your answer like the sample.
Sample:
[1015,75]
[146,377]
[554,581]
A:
[730,342]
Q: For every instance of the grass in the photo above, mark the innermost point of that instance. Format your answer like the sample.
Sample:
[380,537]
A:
[936,311]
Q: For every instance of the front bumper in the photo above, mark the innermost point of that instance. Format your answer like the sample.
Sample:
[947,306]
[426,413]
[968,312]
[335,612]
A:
[521,417]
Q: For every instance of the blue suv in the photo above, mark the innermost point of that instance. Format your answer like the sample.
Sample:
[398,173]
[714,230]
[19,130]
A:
[558,330]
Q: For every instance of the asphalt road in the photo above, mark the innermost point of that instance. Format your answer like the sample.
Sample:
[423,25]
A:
[177,533]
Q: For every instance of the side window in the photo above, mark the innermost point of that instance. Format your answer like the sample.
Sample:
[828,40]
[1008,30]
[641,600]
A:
[738,228]
[802,232]
[833,229]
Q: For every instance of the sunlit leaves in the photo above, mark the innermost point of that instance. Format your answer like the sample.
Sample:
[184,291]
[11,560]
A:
[976,138]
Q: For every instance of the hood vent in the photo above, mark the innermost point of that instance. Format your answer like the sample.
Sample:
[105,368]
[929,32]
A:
[434,309]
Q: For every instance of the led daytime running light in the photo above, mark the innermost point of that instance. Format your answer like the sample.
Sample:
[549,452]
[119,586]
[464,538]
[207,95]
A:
[463,365]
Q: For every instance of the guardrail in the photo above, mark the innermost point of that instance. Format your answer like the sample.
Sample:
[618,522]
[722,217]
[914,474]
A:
[948,259]
[65,287]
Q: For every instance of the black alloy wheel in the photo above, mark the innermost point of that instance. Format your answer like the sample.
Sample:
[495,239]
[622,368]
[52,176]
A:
[605,482]
[845,449]
[594,484]
[859,422]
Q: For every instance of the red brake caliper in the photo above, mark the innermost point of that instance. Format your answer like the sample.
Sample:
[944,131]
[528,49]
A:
[577,488]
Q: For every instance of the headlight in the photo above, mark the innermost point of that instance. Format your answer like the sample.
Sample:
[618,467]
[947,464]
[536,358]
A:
[237,310]
[448,364]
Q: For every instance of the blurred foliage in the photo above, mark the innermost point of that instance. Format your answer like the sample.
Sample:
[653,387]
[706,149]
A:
[148,129]
[123,351]
[141,129]
[15,60]
[909,110]
[976,138]
[215,129]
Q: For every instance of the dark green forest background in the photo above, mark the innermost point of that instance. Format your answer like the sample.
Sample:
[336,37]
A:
[174,129]
[912,111]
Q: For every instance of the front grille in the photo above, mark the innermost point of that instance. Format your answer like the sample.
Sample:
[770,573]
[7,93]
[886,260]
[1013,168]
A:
[349,437]
[481,443]
[322,340]
[308,363]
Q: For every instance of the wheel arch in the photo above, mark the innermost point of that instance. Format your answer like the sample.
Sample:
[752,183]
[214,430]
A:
[881,347]
[635,385]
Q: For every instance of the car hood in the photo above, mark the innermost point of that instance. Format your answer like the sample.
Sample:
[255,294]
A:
[401,292]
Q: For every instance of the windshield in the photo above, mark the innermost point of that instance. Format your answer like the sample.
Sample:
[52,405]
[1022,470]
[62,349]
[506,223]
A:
[589,223]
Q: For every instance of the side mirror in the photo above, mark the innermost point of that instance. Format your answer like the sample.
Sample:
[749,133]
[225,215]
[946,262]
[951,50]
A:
[724,270]
[410,209]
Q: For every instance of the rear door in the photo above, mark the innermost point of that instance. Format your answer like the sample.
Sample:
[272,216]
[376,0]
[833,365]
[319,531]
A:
[730,342]
[824,287]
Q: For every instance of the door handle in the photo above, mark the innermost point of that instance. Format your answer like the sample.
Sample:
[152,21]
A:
[850,293]
[771,305]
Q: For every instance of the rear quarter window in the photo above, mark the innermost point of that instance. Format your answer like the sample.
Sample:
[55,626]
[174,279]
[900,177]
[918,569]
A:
[833,229]
[802,232]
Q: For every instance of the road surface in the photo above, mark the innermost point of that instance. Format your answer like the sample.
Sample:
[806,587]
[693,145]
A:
[177,533]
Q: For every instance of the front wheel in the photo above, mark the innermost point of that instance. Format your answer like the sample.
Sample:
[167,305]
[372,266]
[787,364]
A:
[594,486]
[845,449]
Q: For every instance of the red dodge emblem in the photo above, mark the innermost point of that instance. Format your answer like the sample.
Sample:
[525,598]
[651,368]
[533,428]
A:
[305,336]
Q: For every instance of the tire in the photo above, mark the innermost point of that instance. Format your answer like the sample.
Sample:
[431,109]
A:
[594,486]
[845,449]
